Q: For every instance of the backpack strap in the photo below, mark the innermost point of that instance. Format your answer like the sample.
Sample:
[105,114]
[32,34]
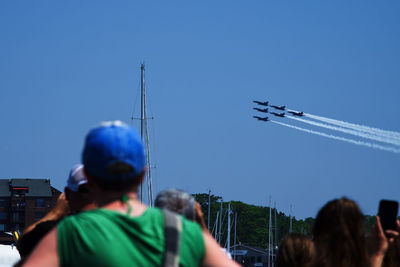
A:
[172,233]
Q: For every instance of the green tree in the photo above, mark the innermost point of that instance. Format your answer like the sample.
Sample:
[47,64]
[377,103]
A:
[252,222]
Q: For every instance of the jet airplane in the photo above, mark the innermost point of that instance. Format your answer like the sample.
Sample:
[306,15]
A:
[265,110]
[261,103]
[279,107]
[299,114]
[278,114]
[261,119]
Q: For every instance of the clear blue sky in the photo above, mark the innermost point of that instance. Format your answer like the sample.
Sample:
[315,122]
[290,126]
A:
[67,65]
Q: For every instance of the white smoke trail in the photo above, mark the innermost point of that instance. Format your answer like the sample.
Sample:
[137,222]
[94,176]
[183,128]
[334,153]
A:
[349,131]
[360,143]
[357,127]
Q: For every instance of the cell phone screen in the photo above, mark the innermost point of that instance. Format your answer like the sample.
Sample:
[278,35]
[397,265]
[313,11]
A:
[387,213]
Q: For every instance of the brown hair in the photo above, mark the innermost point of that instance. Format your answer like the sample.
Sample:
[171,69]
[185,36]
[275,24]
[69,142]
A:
[392,256]
[339,235]
[295,250]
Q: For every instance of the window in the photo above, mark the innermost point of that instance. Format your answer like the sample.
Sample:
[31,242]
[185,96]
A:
[2,227]
[21,205]
[40,203]
[15,217]
[20,190]
[3,215]
[259,259]
[3,202]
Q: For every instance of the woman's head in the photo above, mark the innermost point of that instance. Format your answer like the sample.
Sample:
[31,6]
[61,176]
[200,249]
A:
[339,235]
[295,250]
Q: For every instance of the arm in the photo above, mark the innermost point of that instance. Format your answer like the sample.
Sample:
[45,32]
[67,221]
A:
[379,243]
[45,254]
[214,255]
[200,217]
[60,210]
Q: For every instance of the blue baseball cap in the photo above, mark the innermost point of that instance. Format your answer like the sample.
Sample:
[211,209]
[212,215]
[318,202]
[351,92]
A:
[113,152]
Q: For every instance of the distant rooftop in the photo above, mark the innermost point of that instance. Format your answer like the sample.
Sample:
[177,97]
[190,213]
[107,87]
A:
[32,187]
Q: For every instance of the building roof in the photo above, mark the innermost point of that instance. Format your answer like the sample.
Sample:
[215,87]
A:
[37,187]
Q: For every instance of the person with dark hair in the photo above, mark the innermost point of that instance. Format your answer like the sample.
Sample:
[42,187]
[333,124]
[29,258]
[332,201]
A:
[295,250]
[383,245]
[123,231]
[74,199]
[392,255]
[339,235]
[77,191]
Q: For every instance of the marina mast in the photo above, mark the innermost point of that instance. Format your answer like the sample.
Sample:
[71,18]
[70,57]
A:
[145,138]
[209,209]
[229,229]
[269,233]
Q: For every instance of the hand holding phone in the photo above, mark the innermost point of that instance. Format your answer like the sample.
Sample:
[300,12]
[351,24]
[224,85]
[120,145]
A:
[387,213]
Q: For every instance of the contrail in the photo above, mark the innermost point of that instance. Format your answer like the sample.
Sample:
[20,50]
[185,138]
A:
[357,127]
[360,143]
[349,131]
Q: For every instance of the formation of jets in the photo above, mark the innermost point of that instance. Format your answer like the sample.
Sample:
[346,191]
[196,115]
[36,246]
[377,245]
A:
[265,110]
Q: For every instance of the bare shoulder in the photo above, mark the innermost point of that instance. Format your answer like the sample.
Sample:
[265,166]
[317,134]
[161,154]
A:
[45,254]
[214,255]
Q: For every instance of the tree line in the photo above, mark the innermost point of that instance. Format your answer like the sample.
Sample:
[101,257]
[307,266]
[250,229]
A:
[253,221]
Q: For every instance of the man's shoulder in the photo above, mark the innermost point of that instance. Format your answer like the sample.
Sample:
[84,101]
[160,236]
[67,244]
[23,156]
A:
[151,219]
[101,215]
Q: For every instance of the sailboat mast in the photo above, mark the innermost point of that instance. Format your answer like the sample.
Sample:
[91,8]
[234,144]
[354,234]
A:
[229,228]
[234,241]
[269,233]
[209,209]
[145,139]
[216,226]
[290,223]
[149,181]
[275,245]
[220,224]
[141,115]
[276,228]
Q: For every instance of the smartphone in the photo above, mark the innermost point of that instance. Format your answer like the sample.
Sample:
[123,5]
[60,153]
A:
[387,213]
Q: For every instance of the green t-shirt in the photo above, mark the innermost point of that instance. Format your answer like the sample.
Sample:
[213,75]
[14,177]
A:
[104,237]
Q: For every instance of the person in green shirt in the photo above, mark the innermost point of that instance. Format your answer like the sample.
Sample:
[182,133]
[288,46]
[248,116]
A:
[123,231]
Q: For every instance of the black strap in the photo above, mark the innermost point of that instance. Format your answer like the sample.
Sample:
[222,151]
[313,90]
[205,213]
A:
[172,233]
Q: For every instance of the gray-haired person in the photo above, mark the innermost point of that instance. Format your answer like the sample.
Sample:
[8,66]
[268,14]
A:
[180,202]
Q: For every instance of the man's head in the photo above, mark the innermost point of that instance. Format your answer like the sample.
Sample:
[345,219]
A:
[76,178]
[76,191]
[113,156]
